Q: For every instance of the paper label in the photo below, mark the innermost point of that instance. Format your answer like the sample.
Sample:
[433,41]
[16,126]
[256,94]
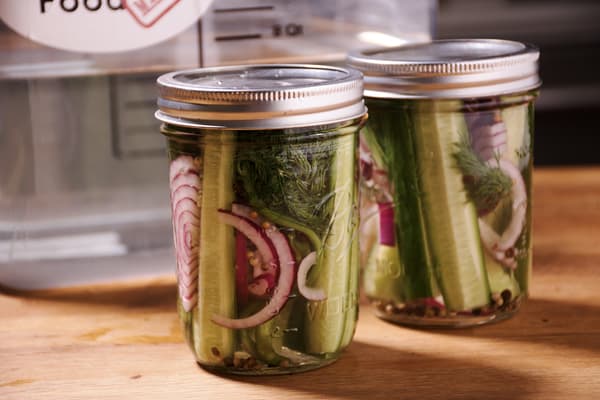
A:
[100,26]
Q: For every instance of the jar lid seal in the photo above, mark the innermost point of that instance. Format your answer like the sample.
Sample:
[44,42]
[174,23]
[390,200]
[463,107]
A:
[458,68]
[260,96]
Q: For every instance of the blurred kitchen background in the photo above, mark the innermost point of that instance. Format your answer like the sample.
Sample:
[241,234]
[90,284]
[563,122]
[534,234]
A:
[568,33]
[83,173]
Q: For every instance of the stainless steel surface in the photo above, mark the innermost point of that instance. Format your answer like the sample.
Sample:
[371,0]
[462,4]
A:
[260,96]
[458,68]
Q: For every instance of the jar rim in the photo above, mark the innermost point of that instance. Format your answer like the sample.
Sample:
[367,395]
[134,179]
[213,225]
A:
[260,96]
[455,68]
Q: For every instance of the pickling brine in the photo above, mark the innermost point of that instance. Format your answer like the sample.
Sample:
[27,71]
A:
[446,161]
[265,236]
[448,186]
[265,217]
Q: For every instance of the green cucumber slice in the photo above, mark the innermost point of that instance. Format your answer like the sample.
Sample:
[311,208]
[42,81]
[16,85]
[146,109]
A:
[524,259]
[270,335]
[186,322]
[216,272]
[384,275]
[267,342]
[500,278]
[267,337]
[450,218]
[524,243]
[518,135]
[519,126]
[247,336]
[325,319]
[499,219]
[353,288]
[389,135]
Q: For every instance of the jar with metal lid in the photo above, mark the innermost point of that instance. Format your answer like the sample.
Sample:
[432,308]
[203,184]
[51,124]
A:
[264,195]
[446,162]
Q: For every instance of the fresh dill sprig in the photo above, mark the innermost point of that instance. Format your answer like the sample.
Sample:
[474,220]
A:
[486,185]
[291,180]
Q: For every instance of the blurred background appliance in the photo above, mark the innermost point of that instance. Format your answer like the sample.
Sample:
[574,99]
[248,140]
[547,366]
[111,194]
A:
[83,170]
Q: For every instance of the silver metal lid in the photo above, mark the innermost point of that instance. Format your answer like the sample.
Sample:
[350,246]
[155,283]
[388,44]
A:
[461,68]
[260,96]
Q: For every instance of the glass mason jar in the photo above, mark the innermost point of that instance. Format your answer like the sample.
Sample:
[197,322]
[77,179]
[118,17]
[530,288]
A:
[264,194]
[446,161]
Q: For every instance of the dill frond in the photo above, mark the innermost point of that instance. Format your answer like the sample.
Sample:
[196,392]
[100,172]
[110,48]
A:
[486,185]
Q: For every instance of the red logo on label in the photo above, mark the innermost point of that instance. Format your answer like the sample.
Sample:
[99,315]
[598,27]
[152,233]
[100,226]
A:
[147,12]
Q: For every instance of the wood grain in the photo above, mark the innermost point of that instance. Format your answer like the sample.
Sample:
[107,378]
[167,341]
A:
[124,342]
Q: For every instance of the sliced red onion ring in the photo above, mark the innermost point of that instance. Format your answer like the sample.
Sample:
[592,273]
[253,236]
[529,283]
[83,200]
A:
[244,211]
[265,277]
[387,226]
[183,165]
[188,302]
[519,206]
[253,232]
[190,179]
[308,292]
[185,189]
[186,231]
[262,286]
[285,282]
[489,143]
[501,247]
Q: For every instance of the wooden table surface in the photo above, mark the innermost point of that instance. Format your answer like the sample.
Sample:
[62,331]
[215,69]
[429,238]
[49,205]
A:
[123,341]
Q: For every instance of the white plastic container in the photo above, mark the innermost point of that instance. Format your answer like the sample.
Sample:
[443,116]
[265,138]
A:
[81,168]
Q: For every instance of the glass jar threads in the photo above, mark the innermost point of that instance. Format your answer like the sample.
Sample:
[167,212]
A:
[446,180]
[264,194]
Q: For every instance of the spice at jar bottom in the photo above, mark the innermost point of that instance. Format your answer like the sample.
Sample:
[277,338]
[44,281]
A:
[446,161]
[264,195]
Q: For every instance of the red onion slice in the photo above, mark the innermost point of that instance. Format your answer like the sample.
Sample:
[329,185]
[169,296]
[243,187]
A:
[183,165]
[185,188]
[285,282]
[190,179]
[262,286]
[308,292]
[501,247]
[387,226]
[247,212]
[264,278]
[188,302]
[253,232]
